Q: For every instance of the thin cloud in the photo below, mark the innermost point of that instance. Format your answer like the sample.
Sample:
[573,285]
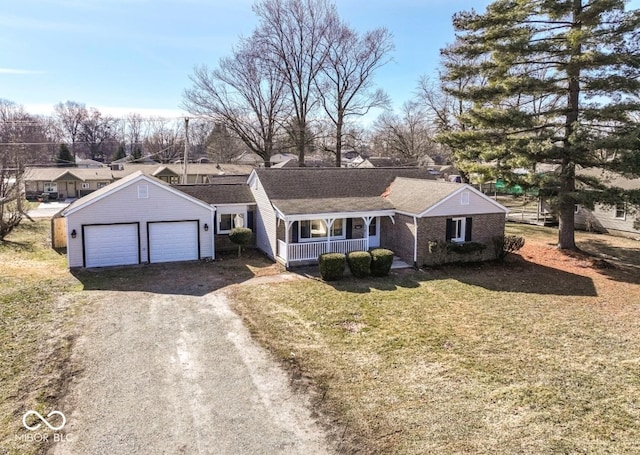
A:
[18,71]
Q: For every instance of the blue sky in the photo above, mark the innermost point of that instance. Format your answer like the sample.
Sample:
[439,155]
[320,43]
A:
[136,55]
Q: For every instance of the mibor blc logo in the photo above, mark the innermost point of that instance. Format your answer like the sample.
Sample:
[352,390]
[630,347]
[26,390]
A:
[43,420]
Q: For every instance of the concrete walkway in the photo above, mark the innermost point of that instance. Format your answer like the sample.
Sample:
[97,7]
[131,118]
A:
[49,209]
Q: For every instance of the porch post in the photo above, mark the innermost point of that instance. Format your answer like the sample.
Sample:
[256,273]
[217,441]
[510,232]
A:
[329,223]
[287,226]
[367,222]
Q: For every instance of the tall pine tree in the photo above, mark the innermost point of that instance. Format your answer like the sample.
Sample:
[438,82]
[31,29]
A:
[557,82]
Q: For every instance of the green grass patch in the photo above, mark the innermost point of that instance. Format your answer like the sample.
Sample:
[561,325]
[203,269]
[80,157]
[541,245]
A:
[482,359]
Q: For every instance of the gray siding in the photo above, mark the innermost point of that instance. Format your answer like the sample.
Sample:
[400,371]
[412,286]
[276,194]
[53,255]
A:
[603,219]
[265,219]
[124,206]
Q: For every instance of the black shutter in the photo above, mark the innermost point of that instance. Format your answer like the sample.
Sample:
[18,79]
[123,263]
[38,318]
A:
[467,233]
[449,233]
[349,228]
[294,232]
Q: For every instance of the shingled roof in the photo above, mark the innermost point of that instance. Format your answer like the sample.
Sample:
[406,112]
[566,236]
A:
[296,191]
[416,196]
[216,194]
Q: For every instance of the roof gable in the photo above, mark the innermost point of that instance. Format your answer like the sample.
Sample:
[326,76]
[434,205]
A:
[131,179]
[438,198]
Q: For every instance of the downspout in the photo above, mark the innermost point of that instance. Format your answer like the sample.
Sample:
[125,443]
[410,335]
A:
[415,241]
[213,232]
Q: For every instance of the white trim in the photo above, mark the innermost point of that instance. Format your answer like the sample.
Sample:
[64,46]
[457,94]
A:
[465,187]
[219,214]
[329,215]
[125,182]
[415,241]
[463,225]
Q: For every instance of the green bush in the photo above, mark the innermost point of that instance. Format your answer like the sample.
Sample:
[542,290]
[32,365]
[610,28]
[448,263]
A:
[241,237]
[381,261]
[332,266]
[359,263]
[466,248]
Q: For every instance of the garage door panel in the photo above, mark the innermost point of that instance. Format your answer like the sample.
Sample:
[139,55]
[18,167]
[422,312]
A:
[109,245]
[173,241]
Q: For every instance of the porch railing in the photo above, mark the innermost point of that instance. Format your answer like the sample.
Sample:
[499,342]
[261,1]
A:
[306,251]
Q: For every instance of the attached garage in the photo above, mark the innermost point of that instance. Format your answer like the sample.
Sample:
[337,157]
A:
[173,241]
[135,220]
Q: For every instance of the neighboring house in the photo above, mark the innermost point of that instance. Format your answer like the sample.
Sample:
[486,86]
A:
[304,212]
[618,219]
[86,163]
[72,182]
[233,202]
[135,220]
[62,183]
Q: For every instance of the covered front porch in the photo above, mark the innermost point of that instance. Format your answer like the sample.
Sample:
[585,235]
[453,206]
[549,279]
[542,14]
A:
[302,238]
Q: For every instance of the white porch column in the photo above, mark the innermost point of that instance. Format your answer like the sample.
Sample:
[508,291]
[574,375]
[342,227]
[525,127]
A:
[367,222]
[287,226]
[329,223]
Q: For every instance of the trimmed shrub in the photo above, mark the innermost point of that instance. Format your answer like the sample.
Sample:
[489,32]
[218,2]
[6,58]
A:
[359,263]
[466,248]
[332,266]
[381,261]
[241,237]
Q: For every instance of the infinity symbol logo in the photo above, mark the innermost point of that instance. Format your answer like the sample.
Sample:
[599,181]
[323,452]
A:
[35,427]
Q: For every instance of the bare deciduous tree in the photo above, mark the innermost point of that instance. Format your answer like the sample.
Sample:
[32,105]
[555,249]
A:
[98,133]
[70,116]
[245,94]
[292,37]
[346,88]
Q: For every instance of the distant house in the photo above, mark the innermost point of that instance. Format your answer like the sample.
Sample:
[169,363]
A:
[62,183]
[617,219]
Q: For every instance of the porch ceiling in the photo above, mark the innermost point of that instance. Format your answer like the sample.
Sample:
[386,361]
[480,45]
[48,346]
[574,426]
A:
[357,205]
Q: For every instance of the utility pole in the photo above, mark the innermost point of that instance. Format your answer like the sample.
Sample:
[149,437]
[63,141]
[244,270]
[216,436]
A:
[186,151]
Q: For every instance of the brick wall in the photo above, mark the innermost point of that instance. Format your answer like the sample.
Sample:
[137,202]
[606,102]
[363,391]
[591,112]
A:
[433,229]
[398,237]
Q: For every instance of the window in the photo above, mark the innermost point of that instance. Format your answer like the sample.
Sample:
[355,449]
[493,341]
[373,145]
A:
[464,198]
[576,208]
[317,229]
[51,187]
[102,184]
[143,191]
[621,212]
[373,227]
[228,221]
[459,229]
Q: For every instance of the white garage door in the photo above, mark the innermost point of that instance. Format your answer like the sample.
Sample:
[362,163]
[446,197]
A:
[173,241]
[114,244]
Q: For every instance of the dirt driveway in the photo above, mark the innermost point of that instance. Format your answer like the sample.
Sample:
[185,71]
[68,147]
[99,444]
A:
[173,373]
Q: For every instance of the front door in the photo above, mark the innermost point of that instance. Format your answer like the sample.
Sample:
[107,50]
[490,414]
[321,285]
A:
[374,232]
[71,189]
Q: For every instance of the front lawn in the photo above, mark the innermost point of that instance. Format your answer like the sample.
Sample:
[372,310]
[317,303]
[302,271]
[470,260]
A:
[540,355]
[34,346]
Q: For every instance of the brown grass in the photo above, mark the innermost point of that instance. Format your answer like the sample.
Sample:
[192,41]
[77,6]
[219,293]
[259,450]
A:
[33,344]
[539,355]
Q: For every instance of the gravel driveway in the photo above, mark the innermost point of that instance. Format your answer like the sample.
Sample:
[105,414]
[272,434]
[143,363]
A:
[173,374]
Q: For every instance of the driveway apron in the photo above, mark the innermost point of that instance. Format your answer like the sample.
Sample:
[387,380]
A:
[173,374]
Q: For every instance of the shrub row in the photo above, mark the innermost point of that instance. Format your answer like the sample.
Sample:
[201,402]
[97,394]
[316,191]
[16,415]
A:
[376,262]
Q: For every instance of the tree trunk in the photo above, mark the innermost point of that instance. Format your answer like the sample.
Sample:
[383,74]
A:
[339,143]
[302,142]
[566,209]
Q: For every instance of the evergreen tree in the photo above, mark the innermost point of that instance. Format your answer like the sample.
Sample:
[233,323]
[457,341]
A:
[555,82]
[136,154]
[120,153]
[65,158]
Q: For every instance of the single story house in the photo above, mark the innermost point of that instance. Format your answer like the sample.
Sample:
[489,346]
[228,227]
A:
[296,214]
[65,182]
[138,219]
[304,212]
